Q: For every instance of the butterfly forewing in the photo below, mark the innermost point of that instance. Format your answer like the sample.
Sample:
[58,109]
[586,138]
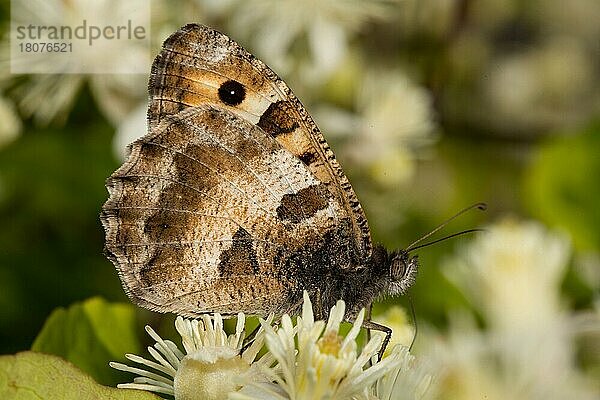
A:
[197,61]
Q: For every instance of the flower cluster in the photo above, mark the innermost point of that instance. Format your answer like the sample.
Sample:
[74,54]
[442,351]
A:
[512,274]
[307,360]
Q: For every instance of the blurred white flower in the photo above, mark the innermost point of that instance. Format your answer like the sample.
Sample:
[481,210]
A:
[409,381]
[211,367]
[49,96]
[397,123]
[475,364]
[275,27]
[551,82]
[466,364]
[512,274]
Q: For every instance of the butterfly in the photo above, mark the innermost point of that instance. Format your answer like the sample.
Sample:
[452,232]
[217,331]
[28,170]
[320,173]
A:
[233,201]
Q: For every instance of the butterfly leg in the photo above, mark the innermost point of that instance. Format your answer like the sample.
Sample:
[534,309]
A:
[276,322]
[368,313]
[250,338]
[368,324]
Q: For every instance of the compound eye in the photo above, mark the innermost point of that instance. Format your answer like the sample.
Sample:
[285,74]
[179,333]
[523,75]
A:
[398,268]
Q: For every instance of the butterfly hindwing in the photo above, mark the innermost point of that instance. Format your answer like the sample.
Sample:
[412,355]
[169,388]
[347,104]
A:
[209,214]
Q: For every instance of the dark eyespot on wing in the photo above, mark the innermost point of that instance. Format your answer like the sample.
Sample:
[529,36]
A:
[240,258]
[277,119]
[232,93]
[303,204]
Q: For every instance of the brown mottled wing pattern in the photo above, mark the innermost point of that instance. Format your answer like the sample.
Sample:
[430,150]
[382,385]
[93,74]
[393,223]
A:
[197,60]
[199,219]
[233,201]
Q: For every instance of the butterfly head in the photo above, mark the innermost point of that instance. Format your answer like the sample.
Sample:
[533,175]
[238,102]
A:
[403,271]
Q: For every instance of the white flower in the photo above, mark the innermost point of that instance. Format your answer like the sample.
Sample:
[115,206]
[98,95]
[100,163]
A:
[396,124]
[512,273]
[475,364]
[391,126]
[325,365]
[211,366]
[310,360]
[49,96]
[407,381]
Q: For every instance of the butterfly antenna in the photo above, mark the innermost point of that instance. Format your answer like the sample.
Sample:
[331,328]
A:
[480,206]
[447,237]
[414,318]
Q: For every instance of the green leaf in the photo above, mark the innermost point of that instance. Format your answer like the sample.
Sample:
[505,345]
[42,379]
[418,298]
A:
[562,188]
[36,376]
[90,334]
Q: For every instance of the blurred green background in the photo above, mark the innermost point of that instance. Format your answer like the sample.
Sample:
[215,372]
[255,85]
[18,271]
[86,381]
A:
[429,105]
